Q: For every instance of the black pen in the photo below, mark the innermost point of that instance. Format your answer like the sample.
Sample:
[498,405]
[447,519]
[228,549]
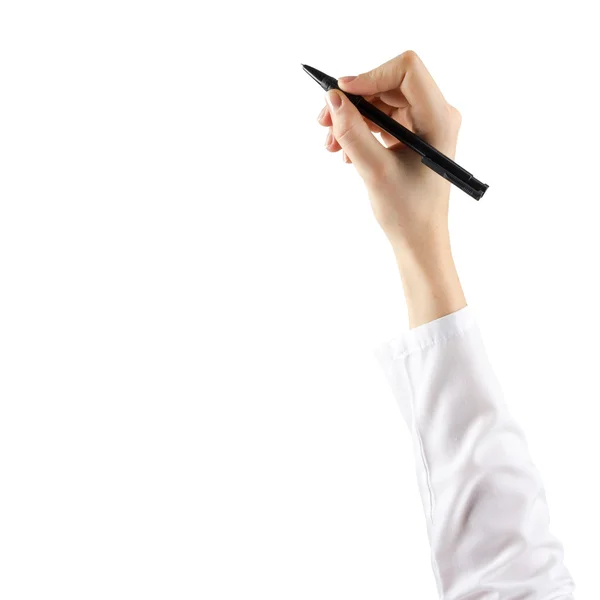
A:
[431,157]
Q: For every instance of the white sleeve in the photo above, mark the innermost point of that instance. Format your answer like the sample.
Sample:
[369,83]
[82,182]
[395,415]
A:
[485,506]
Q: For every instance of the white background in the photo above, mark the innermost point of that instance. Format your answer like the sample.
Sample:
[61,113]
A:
[191,287]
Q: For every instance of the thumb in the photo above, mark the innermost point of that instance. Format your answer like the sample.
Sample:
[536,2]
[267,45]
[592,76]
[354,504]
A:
[354,136]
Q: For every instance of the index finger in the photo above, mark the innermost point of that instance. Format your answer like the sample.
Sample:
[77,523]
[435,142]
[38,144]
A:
[405,72]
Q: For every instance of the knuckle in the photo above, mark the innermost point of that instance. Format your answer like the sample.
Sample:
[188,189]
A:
[346,133]
[454,116]
[410,58]
[375,74]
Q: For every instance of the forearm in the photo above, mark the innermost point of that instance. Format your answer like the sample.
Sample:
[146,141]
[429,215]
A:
[430,281]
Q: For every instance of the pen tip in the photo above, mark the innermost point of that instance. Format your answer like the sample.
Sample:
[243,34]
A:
[325,81]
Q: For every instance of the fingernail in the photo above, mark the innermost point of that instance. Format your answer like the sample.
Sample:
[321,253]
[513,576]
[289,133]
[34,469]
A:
[328,138]
[347,79]
[322,114]
[333,99]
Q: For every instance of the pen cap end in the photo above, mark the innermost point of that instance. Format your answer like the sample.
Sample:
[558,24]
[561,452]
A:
[481,189]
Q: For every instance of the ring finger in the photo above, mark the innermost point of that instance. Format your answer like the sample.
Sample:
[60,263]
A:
[330,142]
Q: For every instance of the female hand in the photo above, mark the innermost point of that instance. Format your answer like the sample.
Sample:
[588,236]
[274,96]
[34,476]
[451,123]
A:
[409,200]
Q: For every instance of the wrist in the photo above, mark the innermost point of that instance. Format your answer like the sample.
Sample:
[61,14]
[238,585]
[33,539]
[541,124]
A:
[424,251]
[430,281]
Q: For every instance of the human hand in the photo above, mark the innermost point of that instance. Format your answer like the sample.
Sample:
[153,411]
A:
[409,200]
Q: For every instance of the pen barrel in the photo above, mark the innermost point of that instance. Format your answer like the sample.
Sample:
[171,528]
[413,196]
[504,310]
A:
[431,157]
[389,125]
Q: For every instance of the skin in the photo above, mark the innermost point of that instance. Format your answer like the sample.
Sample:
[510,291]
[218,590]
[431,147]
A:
[409,200]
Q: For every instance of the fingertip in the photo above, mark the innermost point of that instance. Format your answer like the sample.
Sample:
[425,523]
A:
[325,118]
[335,146]
[333,99]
